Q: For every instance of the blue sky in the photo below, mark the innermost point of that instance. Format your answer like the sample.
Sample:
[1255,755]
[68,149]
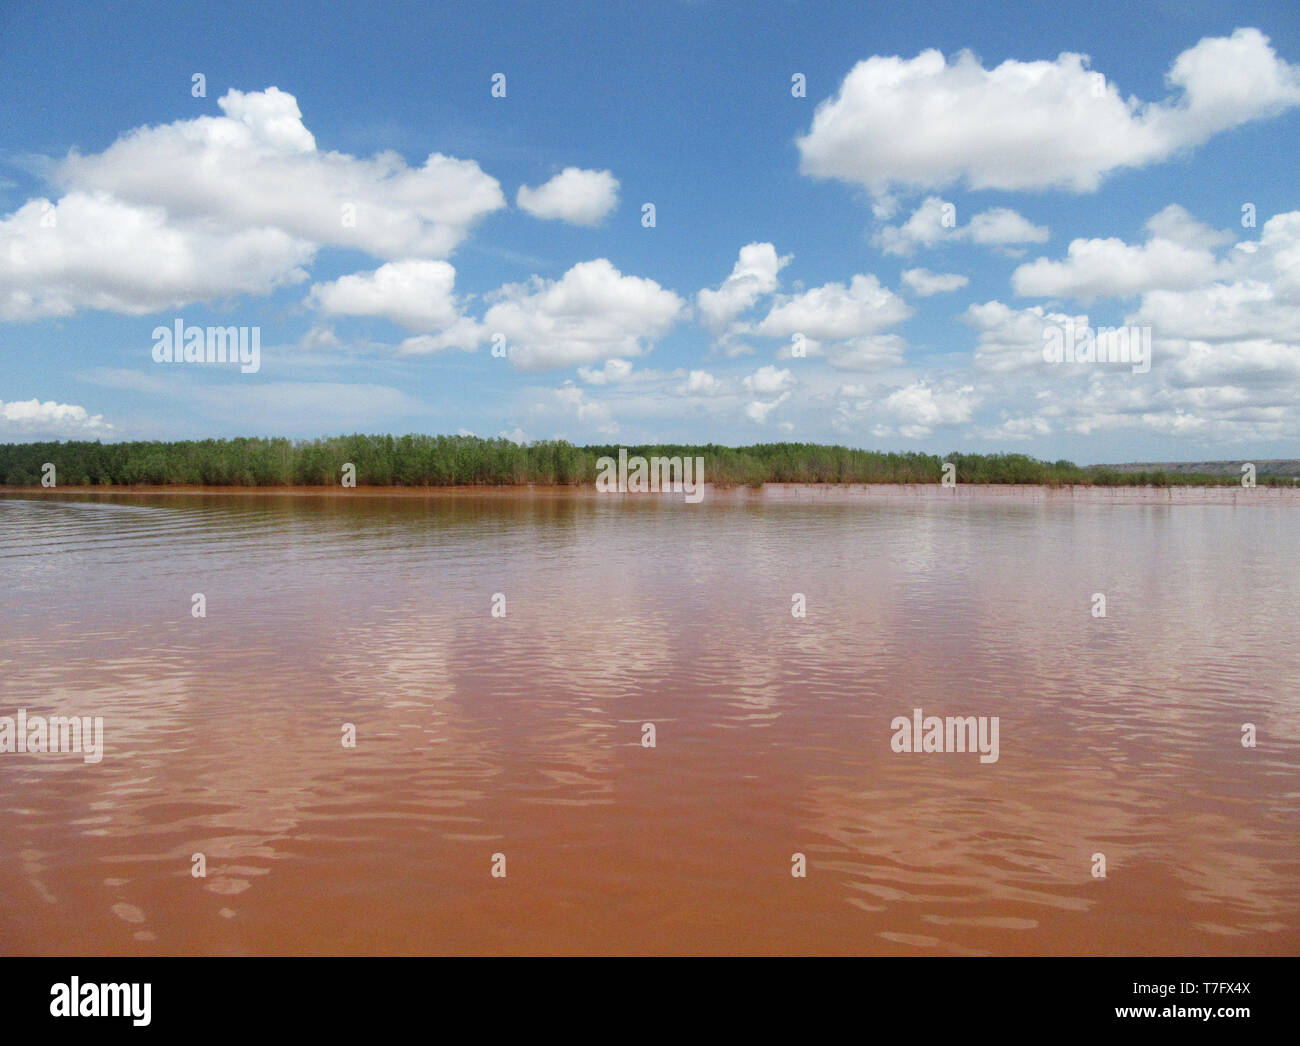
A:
[954,185]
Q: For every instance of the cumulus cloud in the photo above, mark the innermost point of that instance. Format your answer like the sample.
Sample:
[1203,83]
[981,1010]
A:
[701,383]
[464,333]
[258,167]
[613,372]
[1012,339]
[416,294]
[935,222]
[1019,428]
[90,251]
[321,336]
[1222,312]
[1225,362]
[842,323]
[1177,225]
[1177,256]
[32,419]
[912,411]
[920,408]
[753,276]
[873,352]
[927,122]
[1257,298]
[572,401]
[574,195]
[1225,356]
[1213,371]
[758,410]
[767,381]
[593,313]
[924,283]
[834,312]
[774,383]
[217,206]
[1249,297]
[1000,225]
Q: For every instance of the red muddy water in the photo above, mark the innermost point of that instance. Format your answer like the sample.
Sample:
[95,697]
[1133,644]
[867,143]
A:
[522,735]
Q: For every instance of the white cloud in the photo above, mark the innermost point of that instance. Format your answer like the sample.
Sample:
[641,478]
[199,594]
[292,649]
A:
[753,275]
[218,206]
[935,222]
[1000,225]
[1111,268]
[1225,367]
[571,400]
[1012,339]
[50,420]
[320,337]
[464,333]
[873,352]
[913,411]
[612,373]
[89,251]
[920,408]
[1023,428]
[926,123]
[1222,312]
[272,118]
[258,168]
[1253,364]
[767,381]
[1176,225]
[924,283]
[574,195]
[758,410]
[701,383]
[834,312]
[418,295]
[1258,298]
[841,323]
[593,313]
[1225,353]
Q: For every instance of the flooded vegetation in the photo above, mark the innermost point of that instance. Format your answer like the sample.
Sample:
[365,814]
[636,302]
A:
[437,461]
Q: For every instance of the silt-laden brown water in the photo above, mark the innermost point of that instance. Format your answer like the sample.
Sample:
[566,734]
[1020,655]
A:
[522,735]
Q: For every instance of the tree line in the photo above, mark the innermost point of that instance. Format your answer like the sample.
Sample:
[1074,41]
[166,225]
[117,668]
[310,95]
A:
[438,461]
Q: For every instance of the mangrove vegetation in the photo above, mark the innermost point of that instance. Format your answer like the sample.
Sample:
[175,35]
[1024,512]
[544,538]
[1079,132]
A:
[439,461]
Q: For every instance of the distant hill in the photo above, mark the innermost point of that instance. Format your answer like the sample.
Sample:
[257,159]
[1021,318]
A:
[1282,467]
